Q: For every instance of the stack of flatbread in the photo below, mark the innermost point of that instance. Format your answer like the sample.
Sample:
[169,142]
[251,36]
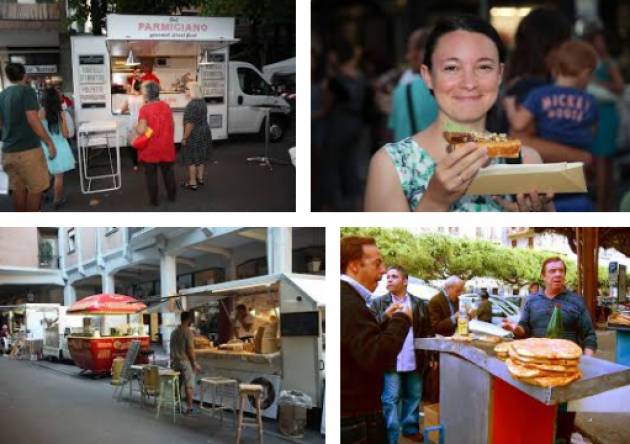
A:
[619,319]
[544,362]
[502,350]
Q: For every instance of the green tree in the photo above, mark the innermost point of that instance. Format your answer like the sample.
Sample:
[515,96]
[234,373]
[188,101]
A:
[434,256]
[264,18]
[98,9]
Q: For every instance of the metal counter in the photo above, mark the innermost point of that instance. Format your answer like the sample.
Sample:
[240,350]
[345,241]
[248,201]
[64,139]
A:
[597,375]
[480,402]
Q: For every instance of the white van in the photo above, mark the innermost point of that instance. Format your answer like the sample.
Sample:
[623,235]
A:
[57,329]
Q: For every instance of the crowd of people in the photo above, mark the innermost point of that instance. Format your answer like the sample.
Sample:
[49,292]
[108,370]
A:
[37,138]
[555,92]
[383,374]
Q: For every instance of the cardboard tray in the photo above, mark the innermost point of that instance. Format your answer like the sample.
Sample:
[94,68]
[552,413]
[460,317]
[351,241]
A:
[501,179]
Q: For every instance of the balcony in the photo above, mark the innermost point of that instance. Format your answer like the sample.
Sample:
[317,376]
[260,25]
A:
[47,257]
[40,16]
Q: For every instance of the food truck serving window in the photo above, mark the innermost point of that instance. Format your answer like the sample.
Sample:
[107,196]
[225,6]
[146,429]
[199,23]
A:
[300,324]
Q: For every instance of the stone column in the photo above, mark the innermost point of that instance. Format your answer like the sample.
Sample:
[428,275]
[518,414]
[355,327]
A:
[279,250]
[168,286]
[69,295]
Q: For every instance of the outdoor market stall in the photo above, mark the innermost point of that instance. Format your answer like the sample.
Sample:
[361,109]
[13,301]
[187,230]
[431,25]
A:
[287,352]
[480,402]
[27,326]
[94,350]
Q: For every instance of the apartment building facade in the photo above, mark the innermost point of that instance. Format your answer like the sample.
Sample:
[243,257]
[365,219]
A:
[29,266]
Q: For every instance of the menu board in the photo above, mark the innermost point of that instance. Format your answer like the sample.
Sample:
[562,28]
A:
[212,77]
[92,81]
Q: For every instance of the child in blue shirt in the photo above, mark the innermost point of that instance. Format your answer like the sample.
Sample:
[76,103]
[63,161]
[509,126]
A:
[563,112]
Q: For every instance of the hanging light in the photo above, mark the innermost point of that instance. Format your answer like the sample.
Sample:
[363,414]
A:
[205,60]
[131,61]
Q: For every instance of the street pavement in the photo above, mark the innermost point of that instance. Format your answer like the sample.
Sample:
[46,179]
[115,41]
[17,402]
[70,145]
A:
[231,184]
[42,402]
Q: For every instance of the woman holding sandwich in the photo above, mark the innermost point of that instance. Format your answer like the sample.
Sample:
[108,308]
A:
[463,66]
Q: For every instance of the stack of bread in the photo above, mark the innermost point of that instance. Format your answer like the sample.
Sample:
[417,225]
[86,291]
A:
[619,319]
[202,342]
[544,362]
[501,349]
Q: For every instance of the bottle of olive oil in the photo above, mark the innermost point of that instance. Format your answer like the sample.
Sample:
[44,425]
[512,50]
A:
[554,328]
[462,322]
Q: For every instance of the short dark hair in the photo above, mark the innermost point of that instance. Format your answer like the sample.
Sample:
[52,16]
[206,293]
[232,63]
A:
[484,294]
[552,259]
[399,268]
[241,307]
[352,249]
[463,22]
[186,316]
[15,72]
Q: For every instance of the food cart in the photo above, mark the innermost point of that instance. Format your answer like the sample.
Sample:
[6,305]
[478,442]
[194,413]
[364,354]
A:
[480,402]
[285,355]
[180,49]
[94,350]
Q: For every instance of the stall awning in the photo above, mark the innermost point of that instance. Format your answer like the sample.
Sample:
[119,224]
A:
[170,48]
[312,286]
[107,304]
[30,276]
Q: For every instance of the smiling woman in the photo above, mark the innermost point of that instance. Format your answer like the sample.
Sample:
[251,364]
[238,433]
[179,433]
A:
[463,67]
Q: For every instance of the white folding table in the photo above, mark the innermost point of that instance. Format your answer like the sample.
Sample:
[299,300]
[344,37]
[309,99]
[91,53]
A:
[99,135]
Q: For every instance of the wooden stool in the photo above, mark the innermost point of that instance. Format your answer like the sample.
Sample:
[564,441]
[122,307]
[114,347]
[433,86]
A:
[245,391]
[217,386]
[169,392]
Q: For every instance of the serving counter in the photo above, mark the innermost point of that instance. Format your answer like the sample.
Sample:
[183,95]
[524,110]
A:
[97,354]
[176,100]
[480,402]
[245,367]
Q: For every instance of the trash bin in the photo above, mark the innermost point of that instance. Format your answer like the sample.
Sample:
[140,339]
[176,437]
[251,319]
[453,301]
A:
[293,406]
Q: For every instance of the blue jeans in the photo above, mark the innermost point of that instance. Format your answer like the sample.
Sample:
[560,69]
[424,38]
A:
[401,404]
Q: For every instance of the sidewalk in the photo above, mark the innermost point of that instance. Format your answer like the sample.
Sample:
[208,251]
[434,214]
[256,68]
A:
[231,184]
[49,402]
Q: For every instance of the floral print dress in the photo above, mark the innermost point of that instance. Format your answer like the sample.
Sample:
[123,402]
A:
[415,168]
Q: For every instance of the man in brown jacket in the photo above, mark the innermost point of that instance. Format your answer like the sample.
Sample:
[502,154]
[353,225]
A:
[444,307]
[368,348]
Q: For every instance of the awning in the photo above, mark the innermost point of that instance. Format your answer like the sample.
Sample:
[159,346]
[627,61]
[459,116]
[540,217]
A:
[312,286]
[283,67]
[170,48]
[107,304]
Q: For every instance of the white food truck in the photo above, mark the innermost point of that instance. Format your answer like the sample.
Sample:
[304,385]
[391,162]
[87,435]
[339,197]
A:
[297,361]
[179,48]
[57,328]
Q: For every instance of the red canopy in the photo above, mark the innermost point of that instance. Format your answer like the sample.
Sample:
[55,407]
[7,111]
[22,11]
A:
[106,304]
